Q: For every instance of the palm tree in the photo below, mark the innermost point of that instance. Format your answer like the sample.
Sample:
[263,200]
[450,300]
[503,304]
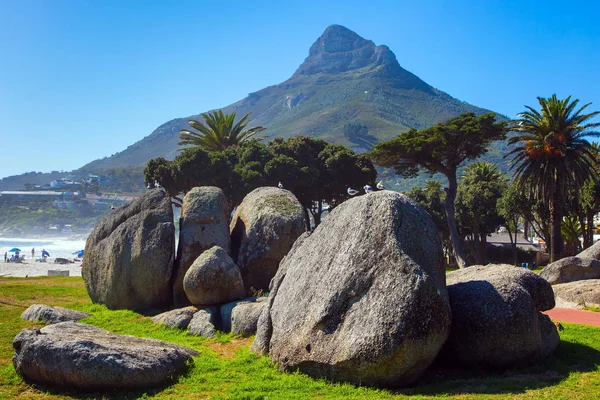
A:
[218,131]
[551,155]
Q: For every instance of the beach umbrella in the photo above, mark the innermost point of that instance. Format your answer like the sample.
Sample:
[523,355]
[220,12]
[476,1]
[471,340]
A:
[79,253]
[14,249]
[45,253]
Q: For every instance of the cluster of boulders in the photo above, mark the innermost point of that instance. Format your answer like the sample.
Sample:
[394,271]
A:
[130,259]
[364,299]
[576,280]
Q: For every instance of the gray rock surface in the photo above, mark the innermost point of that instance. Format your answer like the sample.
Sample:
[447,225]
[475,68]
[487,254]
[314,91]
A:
[75,355]
[177,319]
[496,318]
[244,317]
[591,252]
[363,298]
[578,293]
[52,315]
[213,279]
[129,255]
[204,223]
[202,324]
[570,269]
[263,229]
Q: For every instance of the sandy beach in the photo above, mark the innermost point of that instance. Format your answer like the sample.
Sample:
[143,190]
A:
[31,268]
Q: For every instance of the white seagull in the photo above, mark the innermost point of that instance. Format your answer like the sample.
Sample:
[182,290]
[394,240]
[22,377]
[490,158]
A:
[368,189]
[380,185]
[280,186]
[352,192]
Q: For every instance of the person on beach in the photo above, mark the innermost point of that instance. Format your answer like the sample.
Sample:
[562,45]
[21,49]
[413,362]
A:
[5,256]
[33,253]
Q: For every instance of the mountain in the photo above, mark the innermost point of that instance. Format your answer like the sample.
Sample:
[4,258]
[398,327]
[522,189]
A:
[347,91]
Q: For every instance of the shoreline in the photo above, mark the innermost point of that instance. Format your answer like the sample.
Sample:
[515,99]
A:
[30,268]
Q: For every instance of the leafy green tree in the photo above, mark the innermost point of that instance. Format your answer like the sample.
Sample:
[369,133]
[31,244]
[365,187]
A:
[442,148]
[552,154]
[431,197]
[477,216]
[218,132]
[510,206]
[321,173]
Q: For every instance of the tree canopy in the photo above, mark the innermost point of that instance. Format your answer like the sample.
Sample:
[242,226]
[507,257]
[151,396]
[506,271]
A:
[442,148]
[317,172]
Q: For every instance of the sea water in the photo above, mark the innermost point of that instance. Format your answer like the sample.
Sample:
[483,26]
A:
[57,247]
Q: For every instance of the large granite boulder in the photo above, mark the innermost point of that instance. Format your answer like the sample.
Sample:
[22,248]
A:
[176,319]
[570,269]
[75,355]
[129,255]
[578,294]
[496,318]
[204,223]
[52,315]
[363,298]
[265,226]
[213,279]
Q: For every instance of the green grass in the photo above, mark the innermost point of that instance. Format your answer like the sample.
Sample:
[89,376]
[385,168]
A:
[226,369]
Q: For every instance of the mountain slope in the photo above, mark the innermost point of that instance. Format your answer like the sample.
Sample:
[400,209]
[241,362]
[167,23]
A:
[345,79]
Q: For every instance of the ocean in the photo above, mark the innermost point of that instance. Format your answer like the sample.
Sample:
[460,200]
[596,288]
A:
[57,247]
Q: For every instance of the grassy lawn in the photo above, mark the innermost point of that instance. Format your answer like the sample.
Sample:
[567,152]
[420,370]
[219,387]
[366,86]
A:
[225,369]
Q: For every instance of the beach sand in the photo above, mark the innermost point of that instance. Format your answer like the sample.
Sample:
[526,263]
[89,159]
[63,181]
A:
[31,268]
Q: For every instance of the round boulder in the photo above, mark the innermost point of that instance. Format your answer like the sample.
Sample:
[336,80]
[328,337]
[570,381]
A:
[363,298]
[213,279]
[263,229]
[570,269]
[129,255]
[204,223]
[75,355]
[496,318]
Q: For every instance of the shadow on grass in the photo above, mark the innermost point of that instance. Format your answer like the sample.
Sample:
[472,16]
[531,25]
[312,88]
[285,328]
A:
[568,358]
[114,394]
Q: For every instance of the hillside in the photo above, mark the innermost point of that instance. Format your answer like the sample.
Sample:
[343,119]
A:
[345,81]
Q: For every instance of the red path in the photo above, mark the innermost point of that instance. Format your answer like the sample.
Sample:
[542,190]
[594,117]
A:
[574,316]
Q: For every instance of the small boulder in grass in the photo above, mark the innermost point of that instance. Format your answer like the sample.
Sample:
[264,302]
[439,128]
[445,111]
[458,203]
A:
[52,315]
[177,319]
[202,324]
[75,355]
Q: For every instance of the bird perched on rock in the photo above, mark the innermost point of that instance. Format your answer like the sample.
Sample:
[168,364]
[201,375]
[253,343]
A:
[112,207]
[280,186]
[352,192]
[380,185]
[368,189]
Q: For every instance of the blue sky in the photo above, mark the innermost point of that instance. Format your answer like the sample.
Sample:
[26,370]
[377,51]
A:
[80,80]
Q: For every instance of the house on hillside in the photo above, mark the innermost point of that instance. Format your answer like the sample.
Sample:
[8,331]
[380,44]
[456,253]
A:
[500,250]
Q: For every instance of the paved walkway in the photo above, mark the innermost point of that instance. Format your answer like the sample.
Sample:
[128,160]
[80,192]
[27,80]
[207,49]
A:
[574,316]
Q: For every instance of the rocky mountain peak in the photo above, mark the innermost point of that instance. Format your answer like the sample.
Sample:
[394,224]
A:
[339,50]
